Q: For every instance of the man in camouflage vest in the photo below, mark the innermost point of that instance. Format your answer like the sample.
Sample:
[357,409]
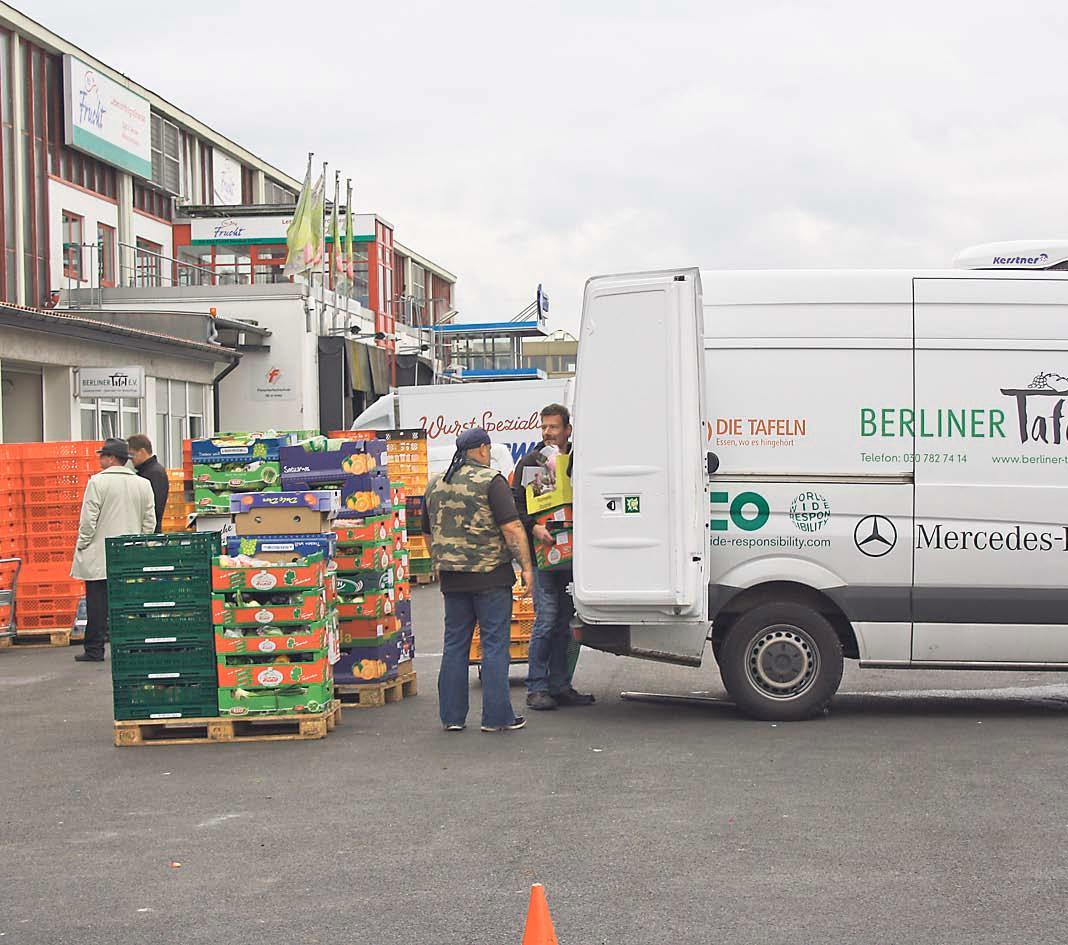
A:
[475,533]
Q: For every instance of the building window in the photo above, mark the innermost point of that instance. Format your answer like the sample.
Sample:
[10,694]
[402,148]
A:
[269,263]
[277,194]
[248,185]
[38,86]
[207,181]
[153,202]
[361,281]
[101,419]
[105,242]
[179,417]
[72,245]
[148,269]
[166,154]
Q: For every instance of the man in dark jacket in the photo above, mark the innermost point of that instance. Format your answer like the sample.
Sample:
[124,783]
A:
[549,664]
[150,468]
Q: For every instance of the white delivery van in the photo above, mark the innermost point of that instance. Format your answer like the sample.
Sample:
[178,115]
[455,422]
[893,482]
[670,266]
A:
[802,467]
[510,411]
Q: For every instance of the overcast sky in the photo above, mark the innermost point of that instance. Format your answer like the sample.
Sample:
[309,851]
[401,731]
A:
[524,143]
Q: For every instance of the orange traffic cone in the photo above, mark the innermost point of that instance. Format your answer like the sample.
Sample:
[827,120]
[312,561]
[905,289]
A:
[539,928]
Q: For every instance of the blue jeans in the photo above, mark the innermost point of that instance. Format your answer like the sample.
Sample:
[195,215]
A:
[493,611]
[553,610]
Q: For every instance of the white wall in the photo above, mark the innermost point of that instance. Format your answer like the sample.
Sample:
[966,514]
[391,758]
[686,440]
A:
[93,210]
[150,228]
[24,420]
[58,355]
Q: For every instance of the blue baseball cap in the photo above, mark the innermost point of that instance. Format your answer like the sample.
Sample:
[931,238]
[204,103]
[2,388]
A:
[472,439]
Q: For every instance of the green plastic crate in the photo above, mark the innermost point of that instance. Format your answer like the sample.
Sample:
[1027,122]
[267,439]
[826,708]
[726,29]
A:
[282,701]
[130,624]
[421,565]
[125,590]
[162,660]
[174,553]
[191,698]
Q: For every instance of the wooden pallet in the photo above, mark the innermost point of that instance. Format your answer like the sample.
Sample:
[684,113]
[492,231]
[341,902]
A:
[272,728]
[373,695]
[48,636]
[424,578]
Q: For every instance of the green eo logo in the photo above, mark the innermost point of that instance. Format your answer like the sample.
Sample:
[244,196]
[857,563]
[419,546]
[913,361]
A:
[748,511]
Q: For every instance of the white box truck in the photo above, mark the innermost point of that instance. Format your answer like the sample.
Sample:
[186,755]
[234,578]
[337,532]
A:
[509,411]
[801,467]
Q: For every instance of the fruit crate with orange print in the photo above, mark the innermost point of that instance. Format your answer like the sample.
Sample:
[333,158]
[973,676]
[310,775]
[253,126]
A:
[371,530]
[358,632]
[228,575]
[270,671]
[367,607]
[271,608]
[369,557]
[265,640]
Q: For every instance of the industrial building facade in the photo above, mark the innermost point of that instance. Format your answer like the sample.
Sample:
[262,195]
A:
[115,204]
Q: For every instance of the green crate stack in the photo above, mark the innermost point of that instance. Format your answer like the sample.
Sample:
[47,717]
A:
[254,655]
[159,616]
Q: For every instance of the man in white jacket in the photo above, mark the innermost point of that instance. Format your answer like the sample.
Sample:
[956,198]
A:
[117,502]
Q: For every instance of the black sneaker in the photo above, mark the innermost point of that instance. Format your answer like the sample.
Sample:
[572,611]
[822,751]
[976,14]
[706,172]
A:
[517,723]
[88,658]
[571,697]
[540,701]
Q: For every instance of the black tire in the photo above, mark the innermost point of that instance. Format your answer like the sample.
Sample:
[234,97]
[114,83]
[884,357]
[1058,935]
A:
[781,662]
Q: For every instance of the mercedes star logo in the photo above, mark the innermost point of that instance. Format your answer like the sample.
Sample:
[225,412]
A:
[875,536]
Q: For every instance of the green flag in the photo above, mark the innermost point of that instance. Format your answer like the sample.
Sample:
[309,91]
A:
[304,237]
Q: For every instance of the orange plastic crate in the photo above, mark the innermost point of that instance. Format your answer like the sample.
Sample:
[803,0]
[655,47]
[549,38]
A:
[57,621]
[29,605]
[48,590]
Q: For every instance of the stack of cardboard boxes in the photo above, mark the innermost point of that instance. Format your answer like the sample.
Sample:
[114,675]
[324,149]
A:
[275,619]
[371,645]
[234,463]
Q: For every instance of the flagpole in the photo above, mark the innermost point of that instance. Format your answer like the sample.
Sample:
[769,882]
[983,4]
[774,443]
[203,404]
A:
[335,240]
[322,265]
[296,210]
[350,274]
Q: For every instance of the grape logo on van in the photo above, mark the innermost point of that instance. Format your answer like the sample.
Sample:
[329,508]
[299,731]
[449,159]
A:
[1040,414]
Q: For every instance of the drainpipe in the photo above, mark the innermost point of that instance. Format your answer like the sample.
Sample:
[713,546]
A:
[215,387]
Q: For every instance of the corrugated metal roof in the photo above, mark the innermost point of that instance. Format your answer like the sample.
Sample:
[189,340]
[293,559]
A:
[62,322]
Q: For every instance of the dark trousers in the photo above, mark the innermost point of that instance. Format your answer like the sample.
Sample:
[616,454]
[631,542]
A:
[547,661]
[96,617]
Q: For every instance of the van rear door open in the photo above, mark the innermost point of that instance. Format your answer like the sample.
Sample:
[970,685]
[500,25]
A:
[640,479]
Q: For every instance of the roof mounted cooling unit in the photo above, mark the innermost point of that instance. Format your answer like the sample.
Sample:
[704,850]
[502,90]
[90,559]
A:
[1015,254]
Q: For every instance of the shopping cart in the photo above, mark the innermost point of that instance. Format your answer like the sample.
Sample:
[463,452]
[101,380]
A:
[9,582]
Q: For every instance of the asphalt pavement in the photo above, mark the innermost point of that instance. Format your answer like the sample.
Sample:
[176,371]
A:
[923,808]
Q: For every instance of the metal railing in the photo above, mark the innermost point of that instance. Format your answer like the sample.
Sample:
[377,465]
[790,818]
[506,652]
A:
[144,268]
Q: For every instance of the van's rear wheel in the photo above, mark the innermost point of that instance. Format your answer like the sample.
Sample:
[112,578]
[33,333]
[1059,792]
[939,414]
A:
[781,662]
